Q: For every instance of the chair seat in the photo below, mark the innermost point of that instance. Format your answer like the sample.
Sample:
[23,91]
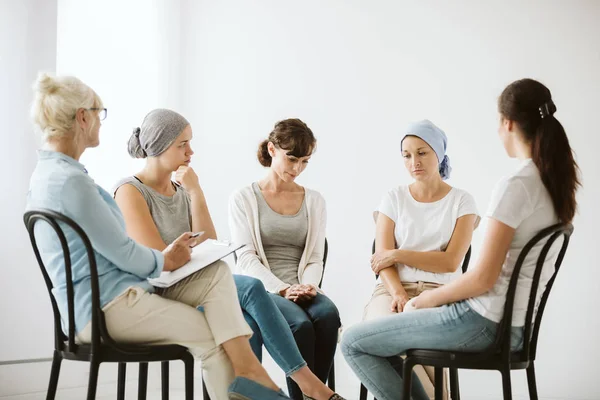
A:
[468,360]
[128,353]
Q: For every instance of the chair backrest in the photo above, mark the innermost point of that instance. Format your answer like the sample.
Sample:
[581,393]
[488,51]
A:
[465,264]
[532,327]
[99,332]
[325,251]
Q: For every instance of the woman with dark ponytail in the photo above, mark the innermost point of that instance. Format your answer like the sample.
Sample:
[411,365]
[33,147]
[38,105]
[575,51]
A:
[464,314]
[528,104]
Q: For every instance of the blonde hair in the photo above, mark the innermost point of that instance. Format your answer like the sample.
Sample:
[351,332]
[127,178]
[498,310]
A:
[56,101]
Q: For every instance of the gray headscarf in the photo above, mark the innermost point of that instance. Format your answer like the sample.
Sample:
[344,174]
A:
[159,130]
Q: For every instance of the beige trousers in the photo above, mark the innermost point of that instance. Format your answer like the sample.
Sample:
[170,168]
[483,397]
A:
[170,317]
[380,306]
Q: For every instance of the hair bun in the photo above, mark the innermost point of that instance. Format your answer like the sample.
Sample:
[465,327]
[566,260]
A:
[46,84]
[264,158]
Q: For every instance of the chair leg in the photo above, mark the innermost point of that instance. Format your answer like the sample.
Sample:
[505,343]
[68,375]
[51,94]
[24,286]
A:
[205,395]
[54,373]
[143,381]
[93,380]
[331,377]
[439,383]
[454,387]
[407,370]
[121,381]
[164,376]
[506,386]
[363,392]
[189,377]
[531,382]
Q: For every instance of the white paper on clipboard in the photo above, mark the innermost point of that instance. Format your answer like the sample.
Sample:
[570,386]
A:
[203,255]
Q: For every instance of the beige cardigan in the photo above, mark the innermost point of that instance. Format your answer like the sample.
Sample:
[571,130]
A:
[245,229]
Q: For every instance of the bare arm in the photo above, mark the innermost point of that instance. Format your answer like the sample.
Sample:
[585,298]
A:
[201,219]
[384,240]
[138,221]
[443,261]
[431,261]
[482,277]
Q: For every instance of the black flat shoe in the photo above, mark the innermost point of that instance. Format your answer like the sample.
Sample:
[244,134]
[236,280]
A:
[335,396]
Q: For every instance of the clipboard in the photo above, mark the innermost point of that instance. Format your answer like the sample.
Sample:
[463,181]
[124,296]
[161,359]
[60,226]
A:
[203,255]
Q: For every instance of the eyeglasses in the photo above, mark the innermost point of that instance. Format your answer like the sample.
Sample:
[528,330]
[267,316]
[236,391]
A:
[101,112]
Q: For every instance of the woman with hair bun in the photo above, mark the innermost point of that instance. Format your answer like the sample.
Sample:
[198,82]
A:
[283,225]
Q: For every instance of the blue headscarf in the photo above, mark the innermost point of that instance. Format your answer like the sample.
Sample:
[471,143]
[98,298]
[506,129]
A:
[436,138]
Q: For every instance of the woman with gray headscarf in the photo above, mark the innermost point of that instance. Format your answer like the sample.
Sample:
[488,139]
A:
[157,209]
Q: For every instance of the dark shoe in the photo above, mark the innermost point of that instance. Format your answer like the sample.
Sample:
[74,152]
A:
[335,396]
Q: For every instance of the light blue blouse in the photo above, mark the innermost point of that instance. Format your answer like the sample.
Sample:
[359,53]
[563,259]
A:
[61,184]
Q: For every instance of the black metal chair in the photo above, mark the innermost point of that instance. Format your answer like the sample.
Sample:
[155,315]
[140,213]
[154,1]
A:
[439,377]
[331,377]
[102,347]
[499,356]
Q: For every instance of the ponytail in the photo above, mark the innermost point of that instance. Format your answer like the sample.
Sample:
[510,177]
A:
[529,103]
[553,157]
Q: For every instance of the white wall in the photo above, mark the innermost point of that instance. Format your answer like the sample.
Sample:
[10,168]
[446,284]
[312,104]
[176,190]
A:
[27,44]
[129,52]
[357,72]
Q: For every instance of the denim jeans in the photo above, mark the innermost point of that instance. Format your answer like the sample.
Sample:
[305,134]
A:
[268,325]
[371,347]
[315,327]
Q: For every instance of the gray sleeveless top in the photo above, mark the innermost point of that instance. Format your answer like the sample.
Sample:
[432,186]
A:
[283,238]
[171,214]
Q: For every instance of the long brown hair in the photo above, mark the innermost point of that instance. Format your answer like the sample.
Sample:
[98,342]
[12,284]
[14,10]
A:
[529,103]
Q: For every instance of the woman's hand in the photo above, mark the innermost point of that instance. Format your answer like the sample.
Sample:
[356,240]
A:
[383,259]
[187,178]
[309,291]
[300,293]
[179,252]
[424,300]
[399,300]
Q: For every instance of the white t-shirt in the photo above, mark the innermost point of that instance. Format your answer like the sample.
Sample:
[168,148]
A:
[522,202]
[425,227]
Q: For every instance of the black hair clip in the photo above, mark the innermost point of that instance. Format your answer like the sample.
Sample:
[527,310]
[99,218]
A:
[547,109]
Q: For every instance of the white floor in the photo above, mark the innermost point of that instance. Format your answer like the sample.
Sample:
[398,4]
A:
[105,392]
[30,381]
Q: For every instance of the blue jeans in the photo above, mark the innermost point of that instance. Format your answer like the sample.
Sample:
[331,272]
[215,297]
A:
[371,347]
[315,327]
[268,325]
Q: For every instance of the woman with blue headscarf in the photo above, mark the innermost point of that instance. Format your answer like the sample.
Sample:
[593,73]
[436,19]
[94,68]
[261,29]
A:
[423,231]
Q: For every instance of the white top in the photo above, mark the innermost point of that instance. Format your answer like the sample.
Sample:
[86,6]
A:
[522,202]
[425,227]
[245,229]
